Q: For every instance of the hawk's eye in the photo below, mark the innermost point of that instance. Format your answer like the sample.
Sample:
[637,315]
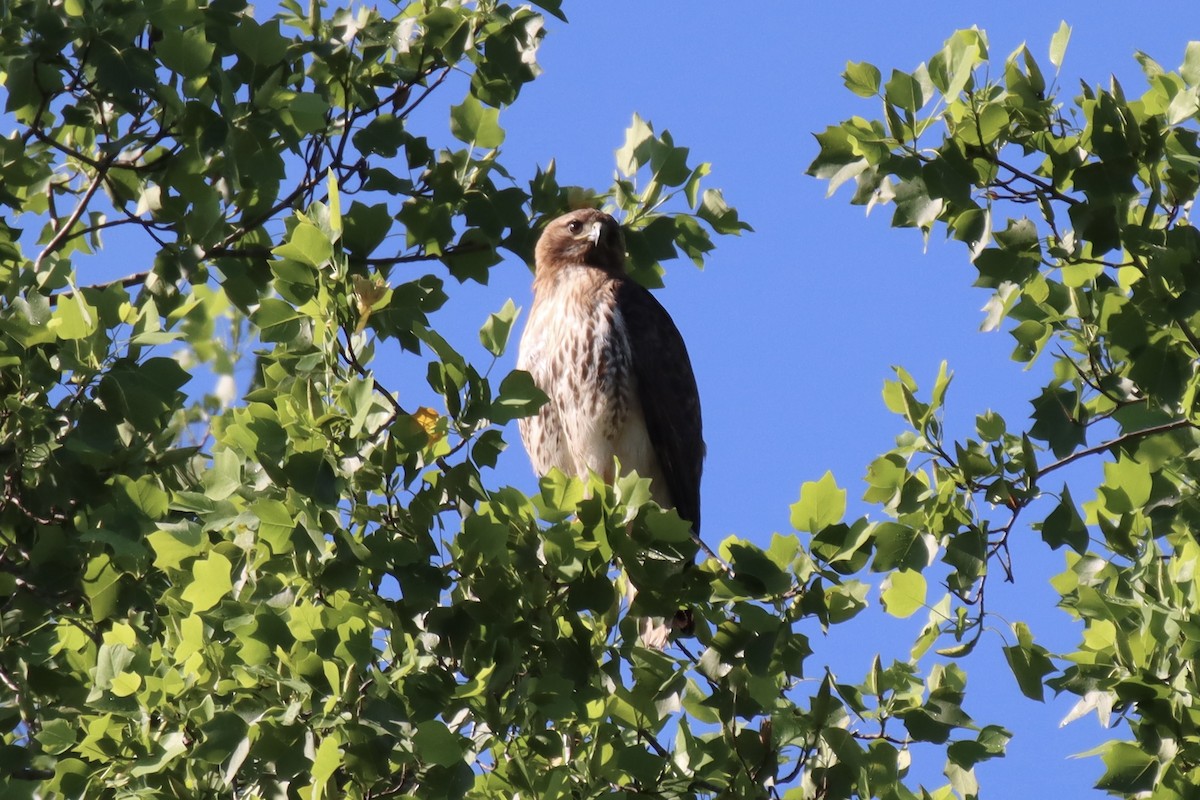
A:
[574,226]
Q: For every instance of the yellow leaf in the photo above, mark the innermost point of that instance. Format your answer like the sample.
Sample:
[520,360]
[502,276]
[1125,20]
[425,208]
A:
[367,293]
[427,418]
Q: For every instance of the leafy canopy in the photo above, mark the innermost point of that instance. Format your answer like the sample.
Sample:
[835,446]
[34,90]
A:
[304,580]
[1076,216]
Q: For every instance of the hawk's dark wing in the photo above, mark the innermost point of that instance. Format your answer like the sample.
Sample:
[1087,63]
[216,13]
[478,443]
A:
[666,388]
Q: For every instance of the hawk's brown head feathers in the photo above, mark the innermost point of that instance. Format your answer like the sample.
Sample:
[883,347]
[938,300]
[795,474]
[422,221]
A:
[584,237]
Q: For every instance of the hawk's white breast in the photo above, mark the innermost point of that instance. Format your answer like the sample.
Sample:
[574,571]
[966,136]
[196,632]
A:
[576,347]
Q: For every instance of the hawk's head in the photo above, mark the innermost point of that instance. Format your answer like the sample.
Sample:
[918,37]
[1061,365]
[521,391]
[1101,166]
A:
[586,236]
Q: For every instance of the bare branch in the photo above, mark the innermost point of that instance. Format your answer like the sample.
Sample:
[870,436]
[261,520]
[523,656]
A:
[449,251]
[1166,427]
[63,232]
[428,90]
[348,355]
[128,282]
[1047,187]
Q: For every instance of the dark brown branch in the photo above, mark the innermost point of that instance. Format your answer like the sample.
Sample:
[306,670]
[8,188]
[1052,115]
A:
[1045,186]
[31,774]
[449,251]
[1166,427]
[41,136]
[348,355]
[130,163]
[61,235]
[238,252]
[128,282]
[245,228]
[999,548]
[428,90]
[870,737]
[112,223]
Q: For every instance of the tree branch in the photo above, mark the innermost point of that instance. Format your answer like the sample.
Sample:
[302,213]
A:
[428,90]
[128,282]
[31,774]
[1045,186]
[472,247]
[61,235]
[1166,427]
[348,355]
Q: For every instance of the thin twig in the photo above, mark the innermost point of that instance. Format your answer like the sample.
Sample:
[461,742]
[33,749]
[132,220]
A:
[472,247]
[1045,186]
[882,737]
[347,353]
[1166,427]
[128,282]
[60,236]
[428,90]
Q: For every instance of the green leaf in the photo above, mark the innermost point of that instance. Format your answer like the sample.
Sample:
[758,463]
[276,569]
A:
[821,504]
[436,744]
[278,320]
[915,208]
[552,6]
[187,52]
[1190,71]
[898,545]
[263,43]
[210,582]
[307,245]
[307,109]
[720,215]
[475,124]
[56,736]
[862,78]
[495,332]
[1058,44]
[1064,525]
[174,543]
[754,568]
[519,397]
[167,749]
[101,584]
[328,758]
[275,524]
[636,151]
[1127,485]
[903,593]
[145,494]
[1029,664]
[366,227]
[990,426]
[126,684]
[987,126]
[904,92]
[1059,420]
[1129,769]
[112,659]
[74,319]
[143,393]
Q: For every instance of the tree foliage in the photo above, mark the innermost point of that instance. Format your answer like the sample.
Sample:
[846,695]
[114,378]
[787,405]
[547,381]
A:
[299,582]
[1076,215]
[237,559]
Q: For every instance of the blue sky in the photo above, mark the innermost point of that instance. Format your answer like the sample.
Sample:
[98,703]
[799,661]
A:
[792,329]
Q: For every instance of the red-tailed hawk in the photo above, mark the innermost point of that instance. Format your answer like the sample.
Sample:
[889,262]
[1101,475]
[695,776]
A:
[614,366]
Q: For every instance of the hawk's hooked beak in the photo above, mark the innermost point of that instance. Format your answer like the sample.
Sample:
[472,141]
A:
[593,235]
